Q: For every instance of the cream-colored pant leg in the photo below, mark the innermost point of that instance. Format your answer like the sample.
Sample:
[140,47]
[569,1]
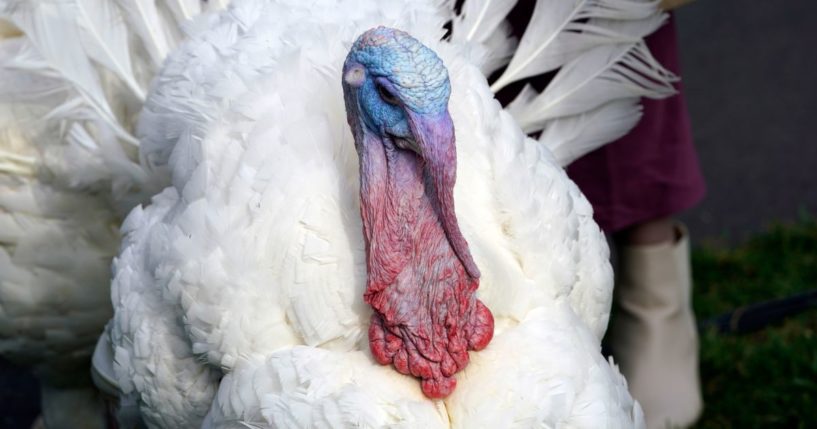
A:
[653,335]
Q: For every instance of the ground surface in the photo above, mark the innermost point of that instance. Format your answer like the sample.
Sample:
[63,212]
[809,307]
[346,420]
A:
[768,378]
[748,71]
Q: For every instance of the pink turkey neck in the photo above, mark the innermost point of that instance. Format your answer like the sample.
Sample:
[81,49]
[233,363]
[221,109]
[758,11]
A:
[426,314]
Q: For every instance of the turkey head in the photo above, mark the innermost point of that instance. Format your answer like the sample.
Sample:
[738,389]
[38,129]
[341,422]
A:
[421,277]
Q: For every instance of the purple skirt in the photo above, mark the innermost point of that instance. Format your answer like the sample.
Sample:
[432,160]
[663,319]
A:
[653,171]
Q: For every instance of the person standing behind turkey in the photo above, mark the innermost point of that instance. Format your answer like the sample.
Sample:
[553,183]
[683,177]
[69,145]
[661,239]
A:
[636,185]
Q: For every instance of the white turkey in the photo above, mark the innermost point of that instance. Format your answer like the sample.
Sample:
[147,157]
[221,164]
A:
[242,292]
[73,76]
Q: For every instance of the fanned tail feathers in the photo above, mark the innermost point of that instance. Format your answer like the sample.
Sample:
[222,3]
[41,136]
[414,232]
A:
[157,23]
[73,77]
[98,56]
[573,136]
[603,74]
[55,30]
[603,66]
[480,27]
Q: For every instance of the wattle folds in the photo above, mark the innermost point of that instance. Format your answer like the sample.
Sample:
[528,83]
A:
[421,277]
[426,314]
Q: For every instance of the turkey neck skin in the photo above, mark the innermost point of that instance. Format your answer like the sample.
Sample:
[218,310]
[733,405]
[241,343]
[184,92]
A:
[405,240]
[426,314]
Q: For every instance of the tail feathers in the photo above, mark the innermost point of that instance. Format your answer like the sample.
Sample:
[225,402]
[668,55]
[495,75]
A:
[597,97]
[17,157]
[157,23]
[80,71]
[560,31]
[603,66]
[605,74]
[572,136]
[479,20]
[481,28]
[16,164]
[60,36]
[22,87]
[492,53]
[184,10]
[151,28]
[104,35]
[48,125]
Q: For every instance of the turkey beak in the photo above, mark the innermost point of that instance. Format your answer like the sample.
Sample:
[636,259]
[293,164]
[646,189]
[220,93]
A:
[434,137]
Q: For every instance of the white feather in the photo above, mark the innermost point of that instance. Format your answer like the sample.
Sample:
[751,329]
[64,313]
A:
[57,37]
[149,25]
[560,30]
[105,39]
[546,372]
[254,255]
[599,76]
[601,59]
[17,165]
[479,19]
[183,10]
[251,262]
[70,88]
[20,85]
[305,387]
[573,136]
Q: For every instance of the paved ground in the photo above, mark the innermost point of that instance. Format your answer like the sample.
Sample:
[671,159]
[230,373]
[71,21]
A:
[750,72]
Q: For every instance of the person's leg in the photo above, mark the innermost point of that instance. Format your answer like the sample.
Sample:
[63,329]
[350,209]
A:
[653,334]
[655,231]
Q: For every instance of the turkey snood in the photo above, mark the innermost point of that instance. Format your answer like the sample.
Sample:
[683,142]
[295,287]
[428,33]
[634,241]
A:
[421,278]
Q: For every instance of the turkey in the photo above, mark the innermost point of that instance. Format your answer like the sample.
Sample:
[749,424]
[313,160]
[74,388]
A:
[73,76]
[313,264]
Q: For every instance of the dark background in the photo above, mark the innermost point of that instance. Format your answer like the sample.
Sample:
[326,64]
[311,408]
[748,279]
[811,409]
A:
[749,70]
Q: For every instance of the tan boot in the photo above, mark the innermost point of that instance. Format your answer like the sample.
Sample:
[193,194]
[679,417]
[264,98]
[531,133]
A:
[653,335]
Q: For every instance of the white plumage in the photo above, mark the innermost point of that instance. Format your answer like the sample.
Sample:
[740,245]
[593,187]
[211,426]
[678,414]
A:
[73,76]
[250,265]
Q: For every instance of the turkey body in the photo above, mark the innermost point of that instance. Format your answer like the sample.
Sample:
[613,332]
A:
[68,98]
[56,245]
[238,292]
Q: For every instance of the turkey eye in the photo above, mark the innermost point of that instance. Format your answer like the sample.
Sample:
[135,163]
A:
[387,96]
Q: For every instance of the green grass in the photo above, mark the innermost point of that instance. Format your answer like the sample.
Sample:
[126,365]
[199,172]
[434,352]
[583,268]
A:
[765,379]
